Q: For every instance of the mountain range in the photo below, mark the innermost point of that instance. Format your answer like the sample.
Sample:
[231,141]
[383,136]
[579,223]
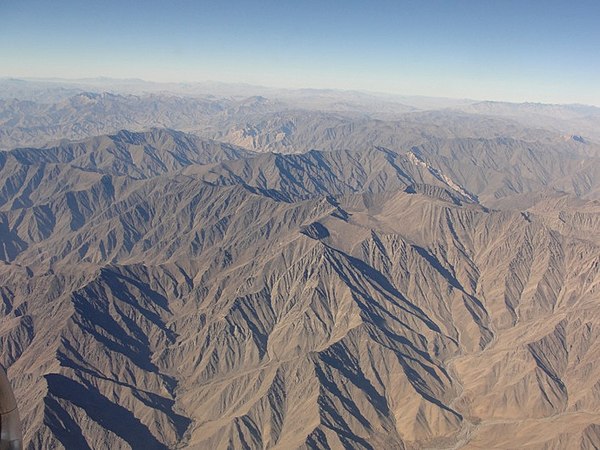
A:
[283,277]
[34,113]
[163,288]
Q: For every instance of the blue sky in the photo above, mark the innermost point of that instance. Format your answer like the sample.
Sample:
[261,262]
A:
[527,50]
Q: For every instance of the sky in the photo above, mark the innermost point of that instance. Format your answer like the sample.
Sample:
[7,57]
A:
[527,50]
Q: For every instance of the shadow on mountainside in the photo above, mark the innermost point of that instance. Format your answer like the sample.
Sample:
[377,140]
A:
[107,414]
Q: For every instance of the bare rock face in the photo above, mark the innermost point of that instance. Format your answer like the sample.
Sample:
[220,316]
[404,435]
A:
[162,289]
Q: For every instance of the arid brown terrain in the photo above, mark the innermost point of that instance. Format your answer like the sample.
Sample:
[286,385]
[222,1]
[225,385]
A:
[427,279]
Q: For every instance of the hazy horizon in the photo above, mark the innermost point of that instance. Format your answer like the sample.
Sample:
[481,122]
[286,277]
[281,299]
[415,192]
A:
[535,52]
[181,83]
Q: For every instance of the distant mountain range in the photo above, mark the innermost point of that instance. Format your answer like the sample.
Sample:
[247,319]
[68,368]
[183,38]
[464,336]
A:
[33,113]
